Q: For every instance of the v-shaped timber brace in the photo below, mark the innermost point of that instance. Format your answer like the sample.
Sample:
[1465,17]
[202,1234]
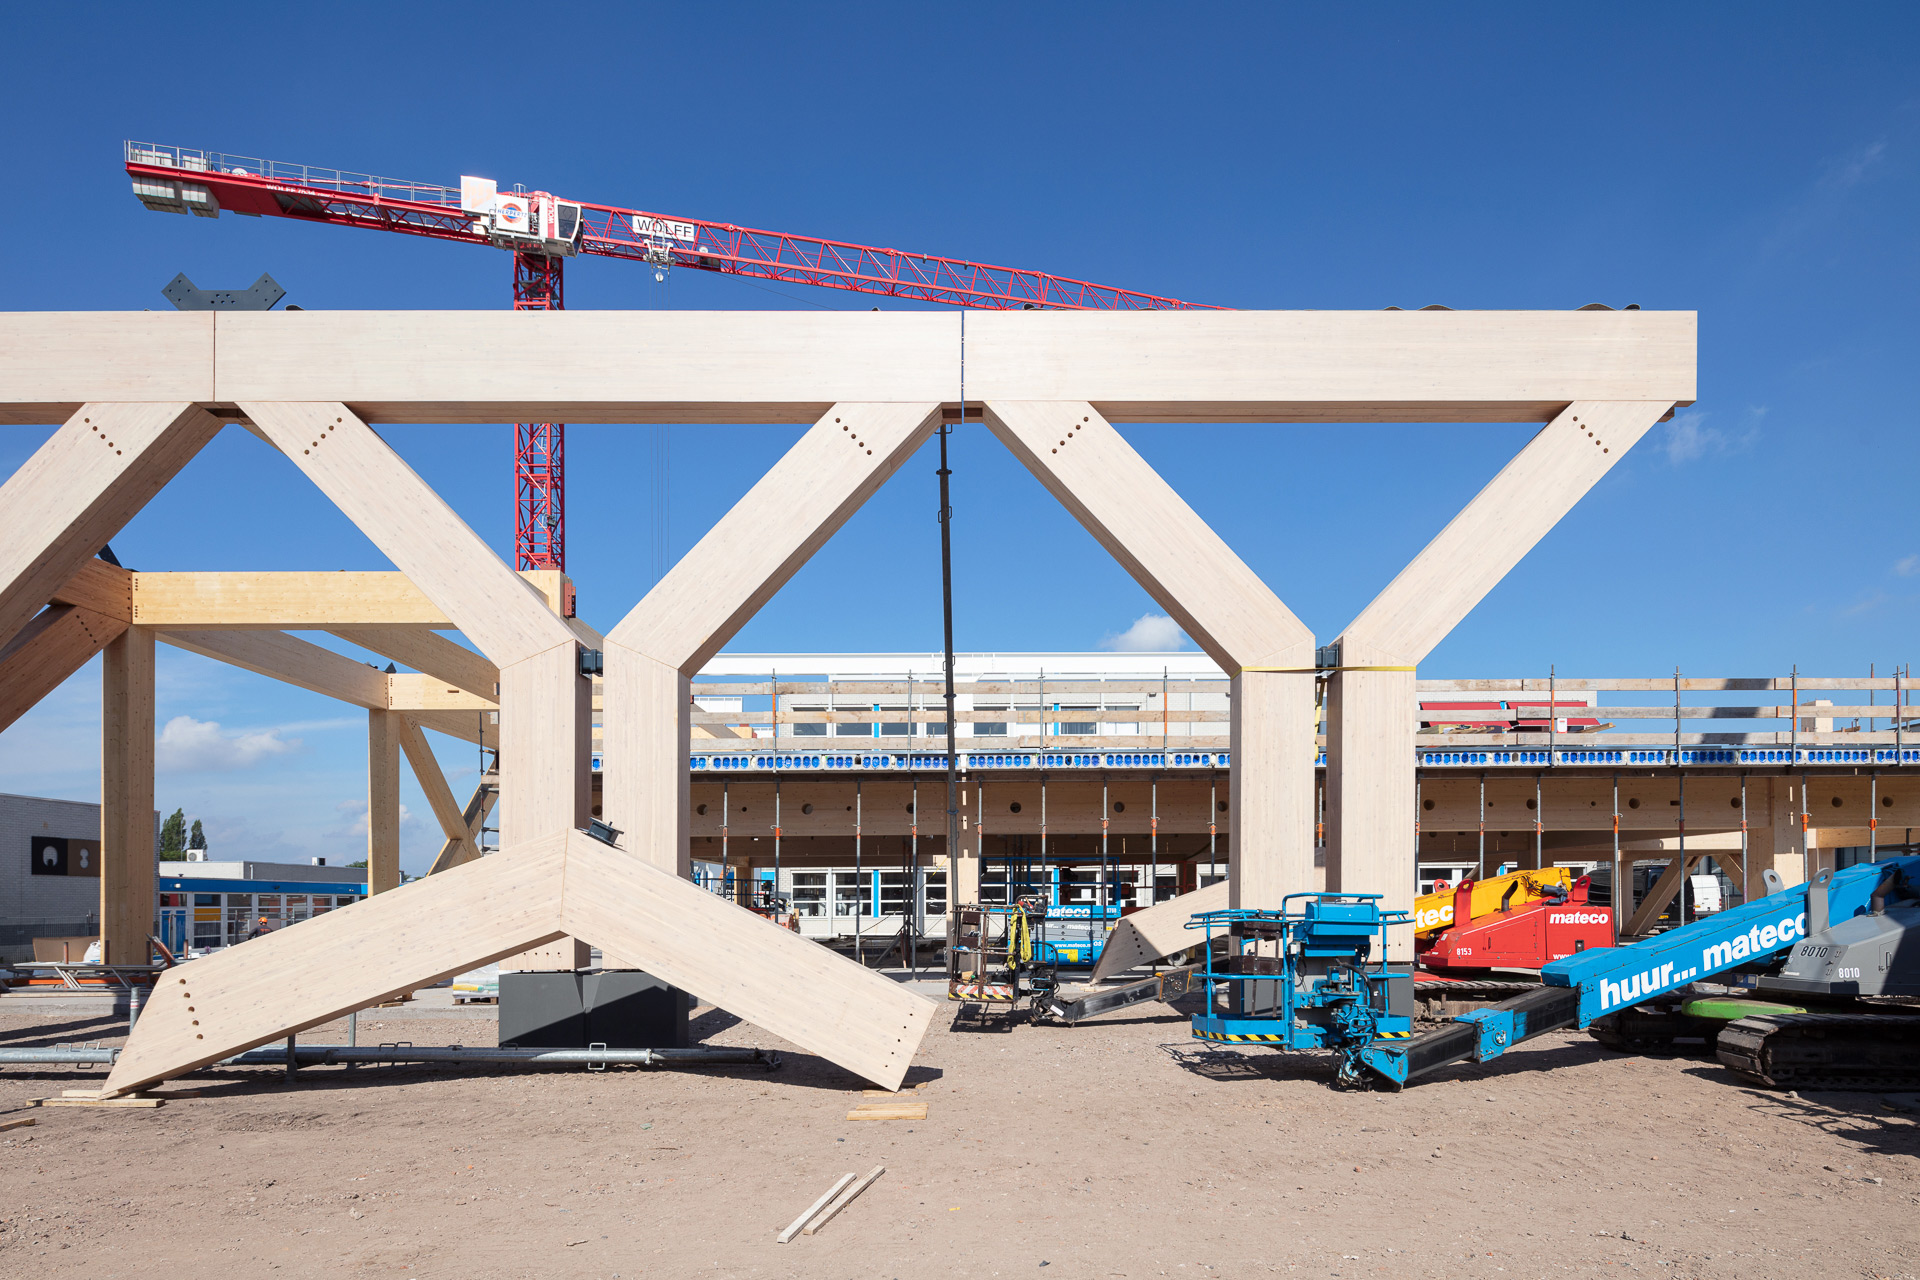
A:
[1372,821]
[526,894]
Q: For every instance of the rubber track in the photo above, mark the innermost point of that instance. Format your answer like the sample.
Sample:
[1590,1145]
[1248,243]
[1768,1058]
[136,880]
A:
[1824,1050]
[1450,988]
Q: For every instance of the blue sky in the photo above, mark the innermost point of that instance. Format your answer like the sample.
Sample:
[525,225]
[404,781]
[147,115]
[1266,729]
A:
[1756,163]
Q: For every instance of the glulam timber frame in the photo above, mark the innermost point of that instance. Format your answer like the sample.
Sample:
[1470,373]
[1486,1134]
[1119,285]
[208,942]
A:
[139,395]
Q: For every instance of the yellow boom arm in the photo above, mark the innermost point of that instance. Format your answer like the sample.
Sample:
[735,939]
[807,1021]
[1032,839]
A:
[1433,912]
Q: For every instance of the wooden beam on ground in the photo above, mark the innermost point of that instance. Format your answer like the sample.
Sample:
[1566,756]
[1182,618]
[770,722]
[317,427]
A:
[383,800]
[54,645]
[299,601]
[81,487]
[1158,930]
[126,798]
[287,981]
[101,587]
[503,614]
[288,659]
[732,958]
[700,604]
[1183,564]
[433,783]
[429,654]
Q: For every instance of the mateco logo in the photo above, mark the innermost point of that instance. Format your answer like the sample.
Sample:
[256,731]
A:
[1579,917]
[1753,942]
[1433,917]
[1758,940]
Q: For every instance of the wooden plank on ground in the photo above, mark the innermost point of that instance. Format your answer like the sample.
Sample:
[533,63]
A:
[889,1111]
[844,1199]
[806,1216]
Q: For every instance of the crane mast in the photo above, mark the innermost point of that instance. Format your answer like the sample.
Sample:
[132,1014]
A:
[542,231]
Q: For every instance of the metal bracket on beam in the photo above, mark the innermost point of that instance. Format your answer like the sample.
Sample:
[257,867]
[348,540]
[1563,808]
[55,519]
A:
[261,297]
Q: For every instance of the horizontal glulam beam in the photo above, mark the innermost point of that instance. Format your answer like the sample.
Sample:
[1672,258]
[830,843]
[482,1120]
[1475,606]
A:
[626,367]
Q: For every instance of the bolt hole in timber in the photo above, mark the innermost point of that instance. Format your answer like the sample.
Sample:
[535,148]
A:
[1810,986]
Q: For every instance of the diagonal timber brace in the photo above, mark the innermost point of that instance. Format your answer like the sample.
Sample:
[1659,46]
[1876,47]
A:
[285,982]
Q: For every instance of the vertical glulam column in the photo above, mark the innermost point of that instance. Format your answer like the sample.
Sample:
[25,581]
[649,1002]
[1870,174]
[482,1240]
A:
[126,797]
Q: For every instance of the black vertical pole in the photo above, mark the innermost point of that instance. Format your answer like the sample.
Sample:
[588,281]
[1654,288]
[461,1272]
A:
[946,605]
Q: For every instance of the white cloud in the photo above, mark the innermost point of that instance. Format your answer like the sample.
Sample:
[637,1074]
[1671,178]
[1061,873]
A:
[1150,633]
[357,810]
[1908,567]
[1850,170]
[1689,436]
[187,745]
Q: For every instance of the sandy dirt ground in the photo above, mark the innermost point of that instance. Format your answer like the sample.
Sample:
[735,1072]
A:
[1115,1148]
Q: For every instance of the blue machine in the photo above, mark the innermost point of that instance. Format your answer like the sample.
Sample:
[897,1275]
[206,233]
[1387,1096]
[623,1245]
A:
[1300,978]
[1326,993]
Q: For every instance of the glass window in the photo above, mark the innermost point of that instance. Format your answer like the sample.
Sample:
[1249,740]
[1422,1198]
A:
[893,895]
[892,729]
[808,730]
[935,890]
[989,728]
[853,730]
[173,899]
[1077,728]
[934,728]
[809,893]
[206,899]
[845,886]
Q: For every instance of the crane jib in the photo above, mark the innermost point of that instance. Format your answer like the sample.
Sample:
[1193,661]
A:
[184,180]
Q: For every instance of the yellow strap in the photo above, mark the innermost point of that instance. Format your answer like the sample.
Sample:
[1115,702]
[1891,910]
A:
[1314,671]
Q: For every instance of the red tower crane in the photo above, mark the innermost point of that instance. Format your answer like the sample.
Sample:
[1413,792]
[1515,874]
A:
[543,231]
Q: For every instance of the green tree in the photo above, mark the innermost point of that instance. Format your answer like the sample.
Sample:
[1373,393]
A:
[173,837]
[196,839]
